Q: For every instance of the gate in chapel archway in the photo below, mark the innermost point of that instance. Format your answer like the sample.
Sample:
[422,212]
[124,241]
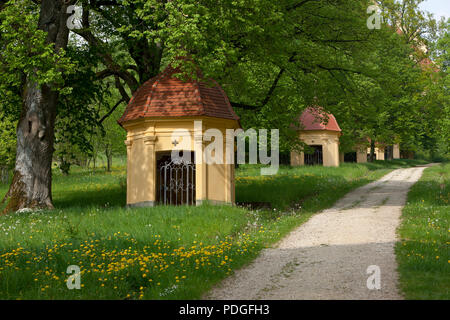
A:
[315,157]
[175,180]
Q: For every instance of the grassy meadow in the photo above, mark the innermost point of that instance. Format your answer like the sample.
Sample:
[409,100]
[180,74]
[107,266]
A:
[423,254]
[161,252]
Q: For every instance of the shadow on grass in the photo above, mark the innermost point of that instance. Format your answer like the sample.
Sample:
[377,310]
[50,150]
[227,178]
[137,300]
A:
[111,196]
[294,186]
[280,192]
[286,192]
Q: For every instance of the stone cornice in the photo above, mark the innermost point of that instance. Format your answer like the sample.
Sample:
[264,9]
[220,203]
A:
[150,140]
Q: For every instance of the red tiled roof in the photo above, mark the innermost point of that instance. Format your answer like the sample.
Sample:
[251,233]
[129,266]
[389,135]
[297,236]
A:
[313,118]
[167,96]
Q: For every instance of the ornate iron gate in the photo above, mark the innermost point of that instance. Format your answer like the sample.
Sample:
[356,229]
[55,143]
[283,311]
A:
[315,157]
[176,181]
[389,153]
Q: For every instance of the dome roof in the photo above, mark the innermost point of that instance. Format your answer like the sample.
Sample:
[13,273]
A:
[167,96]
[314,118]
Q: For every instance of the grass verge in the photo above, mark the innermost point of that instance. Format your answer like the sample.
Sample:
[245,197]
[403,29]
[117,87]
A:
[423,254]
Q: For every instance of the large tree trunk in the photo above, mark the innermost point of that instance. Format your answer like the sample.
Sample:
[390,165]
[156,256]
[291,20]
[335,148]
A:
[32,180]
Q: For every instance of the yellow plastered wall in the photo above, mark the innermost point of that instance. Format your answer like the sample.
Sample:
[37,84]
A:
[379,152]
[396,153]
[361,154]
[329,140]
[146,137]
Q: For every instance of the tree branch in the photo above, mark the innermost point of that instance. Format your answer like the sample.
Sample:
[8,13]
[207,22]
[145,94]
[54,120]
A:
[114,68]
[338,69]
[244,106]
[266,99]
[272,88]
[104,3]
[105,74]
[110,111]
[121,89]
[299,4]
[269,93]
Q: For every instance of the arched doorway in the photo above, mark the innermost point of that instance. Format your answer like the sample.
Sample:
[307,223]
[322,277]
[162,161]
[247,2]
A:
[389,153]
[315,157]
[175,184]
[350,157]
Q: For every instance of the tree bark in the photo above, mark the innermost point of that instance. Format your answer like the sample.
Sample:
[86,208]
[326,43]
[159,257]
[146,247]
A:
[109,164]
[372,151]
[32,180]
[108,154]
[4,175]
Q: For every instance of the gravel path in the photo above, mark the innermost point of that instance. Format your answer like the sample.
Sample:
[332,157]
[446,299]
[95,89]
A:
[327,257]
